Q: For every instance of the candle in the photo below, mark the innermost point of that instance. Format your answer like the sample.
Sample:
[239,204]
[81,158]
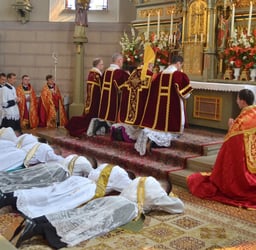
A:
[195,38]
[249,20]
[148,26]
[158,25]
[174,40]
[170,39]
[225,4]
[171,25]
[232,20]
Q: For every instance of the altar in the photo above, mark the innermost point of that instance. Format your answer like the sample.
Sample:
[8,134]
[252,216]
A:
[213,103]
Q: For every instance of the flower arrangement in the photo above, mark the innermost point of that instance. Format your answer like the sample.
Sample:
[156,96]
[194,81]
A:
[132,48]
[161,48]
[242,51]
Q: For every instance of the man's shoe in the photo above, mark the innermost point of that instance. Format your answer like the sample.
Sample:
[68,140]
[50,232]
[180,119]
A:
[3,200]
[27,231]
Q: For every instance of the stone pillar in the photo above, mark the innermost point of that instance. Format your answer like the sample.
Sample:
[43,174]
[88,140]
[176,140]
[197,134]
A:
[210,59]
[79,38]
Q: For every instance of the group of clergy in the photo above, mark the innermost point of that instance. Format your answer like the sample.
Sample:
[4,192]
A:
[140,106]
[21,109]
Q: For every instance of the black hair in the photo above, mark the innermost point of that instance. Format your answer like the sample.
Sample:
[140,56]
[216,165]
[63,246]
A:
[247,96]
[131,175]
[177,58]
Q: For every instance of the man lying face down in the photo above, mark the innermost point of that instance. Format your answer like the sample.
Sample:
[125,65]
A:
[70,227]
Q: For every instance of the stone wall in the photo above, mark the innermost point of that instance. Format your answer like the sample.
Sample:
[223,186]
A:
[28,48]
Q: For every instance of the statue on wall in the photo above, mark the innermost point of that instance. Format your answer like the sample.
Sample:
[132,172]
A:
[223,30]
[82,7]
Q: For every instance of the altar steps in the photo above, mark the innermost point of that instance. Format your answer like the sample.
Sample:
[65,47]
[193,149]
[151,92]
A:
[163,163]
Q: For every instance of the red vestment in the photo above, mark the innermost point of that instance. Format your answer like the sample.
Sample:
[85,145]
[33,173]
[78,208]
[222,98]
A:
[109,101]
[28,118]
[134,93]
[50,105]
[78,125]
[163,109]
[233,178]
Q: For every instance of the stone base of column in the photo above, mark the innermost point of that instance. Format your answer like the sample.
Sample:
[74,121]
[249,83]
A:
[76,109]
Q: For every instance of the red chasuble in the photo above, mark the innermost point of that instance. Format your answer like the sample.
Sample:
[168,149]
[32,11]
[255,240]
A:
[28,118]
[233,178]
[134,93]
[163,108]
[109,101]
[50,102]
[78,125]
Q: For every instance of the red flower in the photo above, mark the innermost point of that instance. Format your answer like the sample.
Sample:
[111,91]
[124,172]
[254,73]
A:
[238,63]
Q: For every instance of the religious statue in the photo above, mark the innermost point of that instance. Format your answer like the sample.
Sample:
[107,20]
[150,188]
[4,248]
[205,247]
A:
[223,31]
[82,7]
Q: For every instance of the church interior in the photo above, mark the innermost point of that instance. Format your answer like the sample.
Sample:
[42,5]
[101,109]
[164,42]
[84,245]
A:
[216,38]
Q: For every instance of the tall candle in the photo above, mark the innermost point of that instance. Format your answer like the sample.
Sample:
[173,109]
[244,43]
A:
[148,24]
[225,4]
[195,38]
[171,25]
[249,20]
[232,20]
[158,25]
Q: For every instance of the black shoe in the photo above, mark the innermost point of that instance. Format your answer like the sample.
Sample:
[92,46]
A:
[98,124]
[27,231]
[3,200]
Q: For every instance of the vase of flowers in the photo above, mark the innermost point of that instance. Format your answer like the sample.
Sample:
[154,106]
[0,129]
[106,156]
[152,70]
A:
[131,49]
[241,52]
[252,74]
[236,73]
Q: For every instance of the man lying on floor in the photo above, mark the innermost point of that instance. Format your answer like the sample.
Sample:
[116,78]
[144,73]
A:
[23,151]
[45,174]
[70,227]
[71,193]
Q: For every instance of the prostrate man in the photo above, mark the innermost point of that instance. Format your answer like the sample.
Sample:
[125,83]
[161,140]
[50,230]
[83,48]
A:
[51,109]
[78,125]
[24,150]
[102,215]
[11,114]
[28,104]
[233,178]
[71,193]
[113,77]
[44,174]
[148,193]
[164,116]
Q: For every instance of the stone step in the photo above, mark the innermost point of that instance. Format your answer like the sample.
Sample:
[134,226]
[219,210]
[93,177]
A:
[188,151]
[201,163]
[179,177]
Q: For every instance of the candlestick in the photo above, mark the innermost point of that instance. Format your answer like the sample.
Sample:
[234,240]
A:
[232,20]
[249,20]
[170,39]
[148,24]
[171,24]
[158,25]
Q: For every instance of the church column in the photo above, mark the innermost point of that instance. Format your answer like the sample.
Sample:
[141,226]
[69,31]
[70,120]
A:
[79,39]
[210,60]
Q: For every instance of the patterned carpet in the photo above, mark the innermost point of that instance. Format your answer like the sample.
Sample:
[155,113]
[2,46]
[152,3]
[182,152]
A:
[204,225]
